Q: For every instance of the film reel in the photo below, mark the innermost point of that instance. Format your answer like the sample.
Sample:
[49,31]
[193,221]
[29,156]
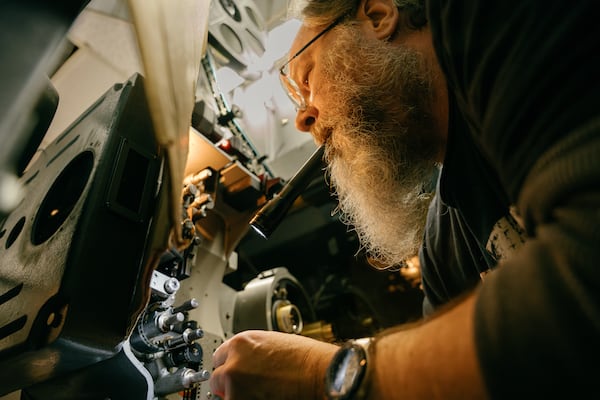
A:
[236,32]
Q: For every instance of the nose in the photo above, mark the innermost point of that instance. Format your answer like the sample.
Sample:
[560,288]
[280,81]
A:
[306,118]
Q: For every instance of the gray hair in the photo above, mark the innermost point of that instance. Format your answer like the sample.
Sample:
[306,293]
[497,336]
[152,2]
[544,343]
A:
[324,12]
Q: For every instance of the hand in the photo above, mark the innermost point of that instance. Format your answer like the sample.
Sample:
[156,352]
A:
[270,365]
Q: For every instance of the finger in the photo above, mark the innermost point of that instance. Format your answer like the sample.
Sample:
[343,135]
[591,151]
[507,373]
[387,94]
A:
[217,385]
[220,354]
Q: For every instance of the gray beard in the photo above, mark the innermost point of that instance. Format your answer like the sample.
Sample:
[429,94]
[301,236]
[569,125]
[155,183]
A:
[381,148]
[387,215]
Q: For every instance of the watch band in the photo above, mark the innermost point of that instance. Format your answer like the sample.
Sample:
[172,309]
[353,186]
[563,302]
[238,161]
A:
[368,345]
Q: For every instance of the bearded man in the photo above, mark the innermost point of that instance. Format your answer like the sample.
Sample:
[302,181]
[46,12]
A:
[394,90]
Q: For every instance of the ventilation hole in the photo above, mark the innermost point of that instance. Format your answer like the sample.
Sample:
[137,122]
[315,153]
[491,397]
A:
[12,293]
[15,232]
[256,44]
[2,232]
[231,38]
[13,327]
[62,197]
[32,177]
[253,17]
[231,9]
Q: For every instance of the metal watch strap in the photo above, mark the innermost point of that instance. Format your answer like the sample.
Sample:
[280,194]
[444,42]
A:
[368,344]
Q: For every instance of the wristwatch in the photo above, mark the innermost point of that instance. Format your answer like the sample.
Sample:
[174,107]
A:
[348,374]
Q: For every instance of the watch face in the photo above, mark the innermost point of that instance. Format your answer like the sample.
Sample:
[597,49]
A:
[346,372]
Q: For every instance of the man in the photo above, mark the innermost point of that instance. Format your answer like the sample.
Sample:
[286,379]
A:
[505,95]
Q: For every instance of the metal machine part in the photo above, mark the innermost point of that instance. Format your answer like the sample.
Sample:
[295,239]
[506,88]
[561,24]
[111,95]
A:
[227,117]
[288,317]
[320,330]
[175,341]
[95,187]
[274,300]
[183,379]
[237,32]
[165,341]
[266,220]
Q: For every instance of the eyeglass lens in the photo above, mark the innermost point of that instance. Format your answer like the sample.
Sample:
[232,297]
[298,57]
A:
[291,87]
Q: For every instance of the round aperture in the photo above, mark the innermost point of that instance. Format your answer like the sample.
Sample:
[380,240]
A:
[231,38]
[62,197]
[231,9]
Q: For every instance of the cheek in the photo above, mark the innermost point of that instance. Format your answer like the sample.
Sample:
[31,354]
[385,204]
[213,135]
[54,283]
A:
[319,94]
[327,106]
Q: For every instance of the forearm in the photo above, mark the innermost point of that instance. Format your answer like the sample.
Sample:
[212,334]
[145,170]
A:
[435,360]
[318,359]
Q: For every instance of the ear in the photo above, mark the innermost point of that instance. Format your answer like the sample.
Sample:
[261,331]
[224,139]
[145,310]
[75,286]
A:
[380,17]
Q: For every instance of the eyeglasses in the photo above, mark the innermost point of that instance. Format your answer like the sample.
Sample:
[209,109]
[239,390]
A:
[289,85]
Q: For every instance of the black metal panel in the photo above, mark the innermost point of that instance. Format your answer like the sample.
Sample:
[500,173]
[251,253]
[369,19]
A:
[116,378]
[80,257]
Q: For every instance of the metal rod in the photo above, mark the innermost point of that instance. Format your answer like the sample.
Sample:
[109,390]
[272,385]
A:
[272,213]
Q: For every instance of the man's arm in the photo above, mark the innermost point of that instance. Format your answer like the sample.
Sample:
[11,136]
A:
[537,318]
[435,360]
[432,360]
[271,365]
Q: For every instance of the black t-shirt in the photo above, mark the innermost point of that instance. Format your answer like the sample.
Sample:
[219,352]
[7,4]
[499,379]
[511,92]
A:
[464,240]
[525,76]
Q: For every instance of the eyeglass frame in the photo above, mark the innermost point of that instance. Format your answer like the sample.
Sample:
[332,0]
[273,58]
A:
[288,82]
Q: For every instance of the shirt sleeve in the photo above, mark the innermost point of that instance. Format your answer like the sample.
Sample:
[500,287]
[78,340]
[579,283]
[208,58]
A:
[525,76]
